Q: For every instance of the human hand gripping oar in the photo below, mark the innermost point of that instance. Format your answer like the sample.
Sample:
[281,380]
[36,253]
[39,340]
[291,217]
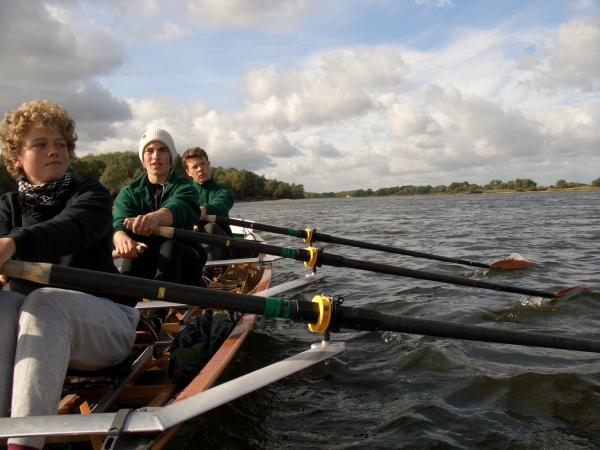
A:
[322,313]
[138,248]
[514,261]
[312,256]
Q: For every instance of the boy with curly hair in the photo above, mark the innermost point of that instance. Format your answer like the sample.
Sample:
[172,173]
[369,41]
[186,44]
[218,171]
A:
[57,219]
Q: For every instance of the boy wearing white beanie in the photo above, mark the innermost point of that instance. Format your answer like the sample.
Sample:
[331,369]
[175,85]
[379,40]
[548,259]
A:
[159,197]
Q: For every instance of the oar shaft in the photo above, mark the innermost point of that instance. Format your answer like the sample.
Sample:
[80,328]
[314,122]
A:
[373,321]
[298,310]
[320,237]
[243,244]
[400,251]
[257,226]
[340,261]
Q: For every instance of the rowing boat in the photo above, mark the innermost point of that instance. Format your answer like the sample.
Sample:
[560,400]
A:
[109,402]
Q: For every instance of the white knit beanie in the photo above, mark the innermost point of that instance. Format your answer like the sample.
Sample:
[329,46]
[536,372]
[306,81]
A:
[158,134]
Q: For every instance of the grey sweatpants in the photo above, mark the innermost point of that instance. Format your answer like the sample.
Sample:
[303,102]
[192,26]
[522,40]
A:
[43,334]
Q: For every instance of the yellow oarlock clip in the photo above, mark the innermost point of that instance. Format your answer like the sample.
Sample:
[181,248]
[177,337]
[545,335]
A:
[314,252]
[324,314]
[309,233]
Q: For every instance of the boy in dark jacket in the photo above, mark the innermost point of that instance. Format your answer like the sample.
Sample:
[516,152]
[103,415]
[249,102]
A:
[57,219]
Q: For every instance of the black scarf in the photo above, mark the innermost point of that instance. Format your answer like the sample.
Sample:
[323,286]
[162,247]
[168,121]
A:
[47,194]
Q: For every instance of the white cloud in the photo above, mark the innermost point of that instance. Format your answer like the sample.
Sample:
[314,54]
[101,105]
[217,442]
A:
[484,126]
[47,46]
[570,60]
[276,143]
[266,14]
[229,140]
[341,87]
[319,147]
[171,32]
[48,54]
[434,3]
[570,131]
[406,121]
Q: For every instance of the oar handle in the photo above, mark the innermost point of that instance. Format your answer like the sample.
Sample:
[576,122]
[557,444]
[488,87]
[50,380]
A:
[308,256]
[32,271]
[138,248]
[166,232]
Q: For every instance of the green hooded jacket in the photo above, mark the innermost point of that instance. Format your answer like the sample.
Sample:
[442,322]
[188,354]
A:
[179,196]
[217,198]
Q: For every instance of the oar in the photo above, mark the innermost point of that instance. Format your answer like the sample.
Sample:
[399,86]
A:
[311,256]
[322,314]
[138,248]
[514,261]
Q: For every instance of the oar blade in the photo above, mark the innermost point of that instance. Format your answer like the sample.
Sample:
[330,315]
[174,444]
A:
[576,290]
[514,261]
[511,264]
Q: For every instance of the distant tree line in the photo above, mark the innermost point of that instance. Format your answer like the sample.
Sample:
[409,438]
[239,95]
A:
[520,185]
[118,169]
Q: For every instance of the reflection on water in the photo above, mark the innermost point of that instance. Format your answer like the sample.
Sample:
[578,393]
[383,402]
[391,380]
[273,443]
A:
[391,390]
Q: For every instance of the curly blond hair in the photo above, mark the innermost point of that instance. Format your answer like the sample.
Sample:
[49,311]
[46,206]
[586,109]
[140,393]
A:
[37,113]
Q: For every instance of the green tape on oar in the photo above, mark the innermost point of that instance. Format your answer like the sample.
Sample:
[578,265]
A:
[272,307]
[288,252]
[287,309]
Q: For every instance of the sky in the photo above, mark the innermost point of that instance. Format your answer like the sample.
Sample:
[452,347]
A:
[335,95]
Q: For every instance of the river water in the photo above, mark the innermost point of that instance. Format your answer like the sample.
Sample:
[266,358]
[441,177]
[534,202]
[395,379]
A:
[391,390]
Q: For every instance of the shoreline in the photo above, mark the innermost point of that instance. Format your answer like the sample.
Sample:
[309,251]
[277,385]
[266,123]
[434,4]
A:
[500,191]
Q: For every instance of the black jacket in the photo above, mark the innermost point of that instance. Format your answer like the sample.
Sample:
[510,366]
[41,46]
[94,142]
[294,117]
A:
[76,233]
